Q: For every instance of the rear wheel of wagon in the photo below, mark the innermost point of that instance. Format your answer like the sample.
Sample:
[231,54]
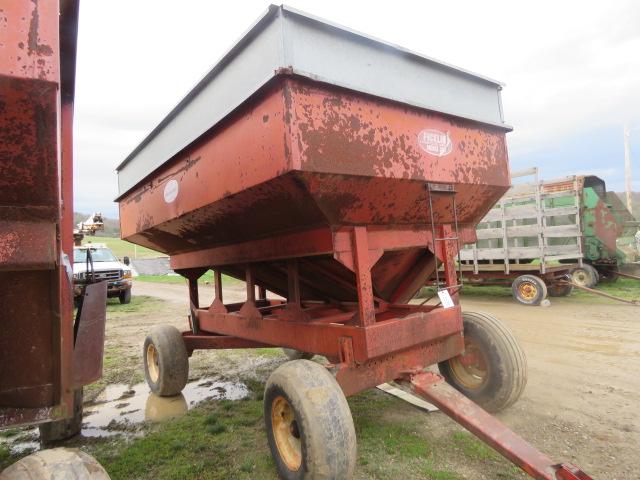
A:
[529,289]
[293,354]
[166,363]
[309,425]
[492,371]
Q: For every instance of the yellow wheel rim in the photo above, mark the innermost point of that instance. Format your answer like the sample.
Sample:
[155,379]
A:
[527,290]
[286,433]
[470,369]
[581,277]
[152,363]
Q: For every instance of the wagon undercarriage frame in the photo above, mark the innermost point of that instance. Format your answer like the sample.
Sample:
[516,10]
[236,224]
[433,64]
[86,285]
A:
[365,345]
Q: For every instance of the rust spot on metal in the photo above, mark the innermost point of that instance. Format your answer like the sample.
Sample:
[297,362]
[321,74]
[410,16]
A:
[8,246]
[32,42]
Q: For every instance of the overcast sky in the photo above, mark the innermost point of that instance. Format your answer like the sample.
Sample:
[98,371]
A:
[572,72]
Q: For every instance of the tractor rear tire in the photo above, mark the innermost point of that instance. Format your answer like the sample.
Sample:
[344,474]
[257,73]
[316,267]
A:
[309,426]
[492,371]
[293,354]
[166,362]
[54,463]
[529,290]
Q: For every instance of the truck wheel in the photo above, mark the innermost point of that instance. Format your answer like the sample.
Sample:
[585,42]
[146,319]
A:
[560,289]
[166,363]
[51,432]
[293,354]
[67,463]
[529,289]
[309,425]
[125,297]
[492,370]
[585,276]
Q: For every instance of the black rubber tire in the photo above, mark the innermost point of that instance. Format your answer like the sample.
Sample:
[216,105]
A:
[57,430]
[596,273]
[506,362]
[559,290]
[323,421]
[54,463]
[534,281]
[585,276]
[170,371]
[125,296]
[293,354]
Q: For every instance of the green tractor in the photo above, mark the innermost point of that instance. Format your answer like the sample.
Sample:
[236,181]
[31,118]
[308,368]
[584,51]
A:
[608,228]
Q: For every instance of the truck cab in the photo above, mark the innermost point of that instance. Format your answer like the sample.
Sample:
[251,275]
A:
[106,266]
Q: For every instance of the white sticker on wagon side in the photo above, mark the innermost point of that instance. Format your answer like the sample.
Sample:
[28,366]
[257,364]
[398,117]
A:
[445,299]
[435,142]
[171,190]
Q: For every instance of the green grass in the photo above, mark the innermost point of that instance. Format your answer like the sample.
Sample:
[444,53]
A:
[226,439]
[472,447]
[5,455]
[122,248]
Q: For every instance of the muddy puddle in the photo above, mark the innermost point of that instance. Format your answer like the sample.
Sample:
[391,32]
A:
[120,408]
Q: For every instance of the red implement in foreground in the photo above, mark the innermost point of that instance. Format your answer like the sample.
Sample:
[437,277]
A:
[343,201]
[45,358]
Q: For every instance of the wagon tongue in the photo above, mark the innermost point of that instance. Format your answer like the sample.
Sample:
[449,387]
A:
[490,430]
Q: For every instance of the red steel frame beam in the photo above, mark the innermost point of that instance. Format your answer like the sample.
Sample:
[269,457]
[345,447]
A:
[322,338]
[490,430]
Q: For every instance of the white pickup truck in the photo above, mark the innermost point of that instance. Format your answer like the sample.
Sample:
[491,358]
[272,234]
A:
[106,266]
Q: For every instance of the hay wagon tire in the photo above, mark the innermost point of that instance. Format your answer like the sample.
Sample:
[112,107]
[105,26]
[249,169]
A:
[529,290]
[492,371]
[585,276]
[166,362]
[309,425]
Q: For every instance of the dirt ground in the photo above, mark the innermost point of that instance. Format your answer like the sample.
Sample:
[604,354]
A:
[581,401]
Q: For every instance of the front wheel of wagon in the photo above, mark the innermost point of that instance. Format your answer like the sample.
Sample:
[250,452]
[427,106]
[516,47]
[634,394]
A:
[492,370]
[166,362]
[529,289]
[309,425]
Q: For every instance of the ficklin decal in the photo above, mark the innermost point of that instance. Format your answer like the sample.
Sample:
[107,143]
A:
[435,142]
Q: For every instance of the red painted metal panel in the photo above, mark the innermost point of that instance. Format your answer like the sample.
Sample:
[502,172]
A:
[36,208]
[29,39]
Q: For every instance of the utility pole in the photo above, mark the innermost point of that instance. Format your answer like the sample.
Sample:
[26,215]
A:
[627,166]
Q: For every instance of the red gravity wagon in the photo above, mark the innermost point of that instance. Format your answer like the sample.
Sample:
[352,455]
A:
[338,172]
